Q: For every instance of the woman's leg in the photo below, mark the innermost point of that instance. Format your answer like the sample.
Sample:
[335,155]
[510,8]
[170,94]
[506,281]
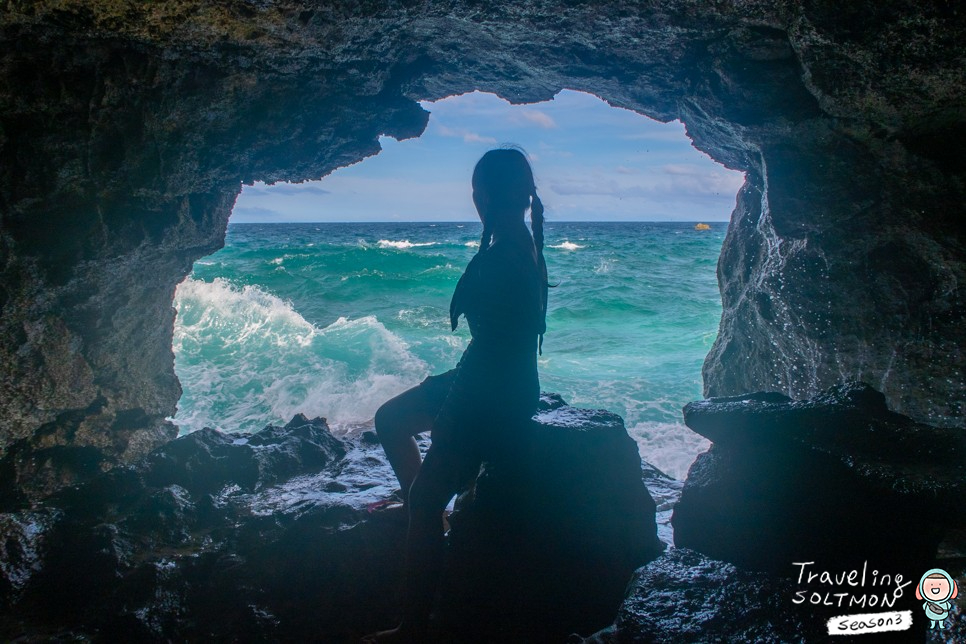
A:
[399,419]
[396,425]
[438,480]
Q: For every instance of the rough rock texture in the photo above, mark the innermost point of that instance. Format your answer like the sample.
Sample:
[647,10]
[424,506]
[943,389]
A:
[568,519]
[684,596]
[126,129]
[838,480]
[267,537]
[213,537]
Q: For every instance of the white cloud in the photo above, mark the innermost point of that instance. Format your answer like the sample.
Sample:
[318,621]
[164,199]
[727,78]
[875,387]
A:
[255,213]
[594,162]
[466,135]
[681,169]
[672,181]
[473,137]
[535,117]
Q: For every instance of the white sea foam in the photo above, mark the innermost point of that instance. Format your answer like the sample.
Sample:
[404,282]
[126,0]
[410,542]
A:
[238,314]
[424,317]
[604,266]
[349,391]
[472,244]
[670,447]
[567,245]
[277,261]
[439,268]
[247,358]
[404,244]
[452,341]
[365,272]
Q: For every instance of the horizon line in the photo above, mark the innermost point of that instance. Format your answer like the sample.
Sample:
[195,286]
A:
[468,221]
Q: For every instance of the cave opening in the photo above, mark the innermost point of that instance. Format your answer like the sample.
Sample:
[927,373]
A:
[330,296]
[133,125]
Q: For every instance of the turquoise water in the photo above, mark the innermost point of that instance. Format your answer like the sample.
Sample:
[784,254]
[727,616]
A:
[333,319]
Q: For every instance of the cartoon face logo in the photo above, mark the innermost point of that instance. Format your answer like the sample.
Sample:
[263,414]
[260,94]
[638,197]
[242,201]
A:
[937,588]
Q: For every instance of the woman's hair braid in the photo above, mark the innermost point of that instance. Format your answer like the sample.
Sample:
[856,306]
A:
[536,218]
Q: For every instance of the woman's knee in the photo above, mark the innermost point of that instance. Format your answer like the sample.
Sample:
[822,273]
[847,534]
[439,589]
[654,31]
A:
[392,417]
[401,417]
[383,418]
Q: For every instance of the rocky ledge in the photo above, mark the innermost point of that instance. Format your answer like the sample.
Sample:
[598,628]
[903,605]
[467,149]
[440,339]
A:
[838,478]
[267,537]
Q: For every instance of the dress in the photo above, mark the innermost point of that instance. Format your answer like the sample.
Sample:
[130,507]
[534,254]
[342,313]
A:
[495,386]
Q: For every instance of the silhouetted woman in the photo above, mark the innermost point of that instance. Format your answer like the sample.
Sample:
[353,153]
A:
[473,409]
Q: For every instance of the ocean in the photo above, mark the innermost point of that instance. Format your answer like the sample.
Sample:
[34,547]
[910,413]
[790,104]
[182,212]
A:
[333,319]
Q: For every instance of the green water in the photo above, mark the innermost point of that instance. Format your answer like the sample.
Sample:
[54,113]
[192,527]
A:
[333,319]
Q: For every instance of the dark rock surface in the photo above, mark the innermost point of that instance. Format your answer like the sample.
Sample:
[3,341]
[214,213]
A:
[837,479]
[126,129]
[569,522]
[267,537]
[685,596]
[666,492]
[213,537]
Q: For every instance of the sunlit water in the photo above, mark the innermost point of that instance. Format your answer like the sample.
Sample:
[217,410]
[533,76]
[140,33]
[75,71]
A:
[333,319]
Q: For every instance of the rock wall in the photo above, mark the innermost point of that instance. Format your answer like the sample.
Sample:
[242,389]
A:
[127,128]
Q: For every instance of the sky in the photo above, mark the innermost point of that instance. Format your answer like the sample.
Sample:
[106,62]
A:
[591,162]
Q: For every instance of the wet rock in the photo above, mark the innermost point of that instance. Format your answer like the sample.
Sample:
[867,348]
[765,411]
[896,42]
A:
[27,473]
[550,535]
[666,492]
[837,479]
[684,596]
[213,535]
[207,460]
[267,536]
[22,545]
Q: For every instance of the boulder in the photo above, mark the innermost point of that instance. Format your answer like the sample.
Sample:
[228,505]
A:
[544,544]
[207,460]
[837,479]
[227,536]
[684,596]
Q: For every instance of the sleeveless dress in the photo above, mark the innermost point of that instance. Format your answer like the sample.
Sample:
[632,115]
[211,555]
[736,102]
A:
[494,389]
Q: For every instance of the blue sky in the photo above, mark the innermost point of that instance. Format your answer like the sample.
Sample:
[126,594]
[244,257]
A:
[591,162]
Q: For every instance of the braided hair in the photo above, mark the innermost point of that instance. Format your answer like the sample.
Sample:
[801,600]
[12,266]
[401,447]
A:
[509,170]
[536,223]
